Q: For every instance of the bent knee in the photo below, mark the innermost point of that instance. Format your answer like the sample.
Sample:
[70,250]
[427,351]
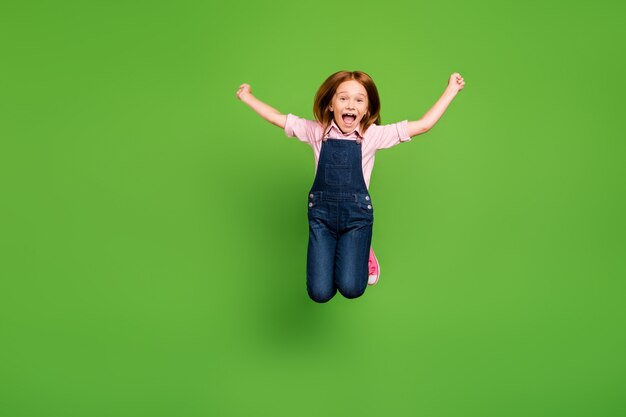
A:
[321,296]
[351,291]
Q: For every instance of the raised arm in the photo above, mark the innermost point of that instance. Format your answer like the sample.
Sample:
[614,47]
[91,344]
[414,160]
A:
[428,120]
[264,110]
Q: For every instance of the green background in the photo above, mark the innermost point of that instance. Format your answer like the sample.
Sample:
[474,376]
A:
[153,227]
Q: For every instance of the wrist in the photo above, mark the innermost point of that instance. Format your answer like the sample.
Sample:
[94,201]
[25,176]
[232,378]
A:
[246,98]
[451,90]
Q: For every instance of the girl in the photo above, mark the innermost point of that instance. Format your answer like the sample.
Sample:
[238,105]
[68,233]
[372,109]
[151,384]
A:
[345,136]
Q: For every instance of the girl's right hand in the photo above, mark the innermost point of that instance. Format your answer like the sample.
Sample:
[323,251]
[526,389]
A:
[244,90]
[456,82]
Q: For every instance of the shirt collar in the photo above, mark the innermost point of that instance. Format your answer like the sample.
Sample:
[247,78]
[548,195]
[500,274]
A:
[333,124]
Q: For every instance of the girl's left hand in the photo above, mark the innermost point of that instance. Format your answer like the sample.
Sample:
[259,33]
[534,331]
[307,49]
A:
[456,82]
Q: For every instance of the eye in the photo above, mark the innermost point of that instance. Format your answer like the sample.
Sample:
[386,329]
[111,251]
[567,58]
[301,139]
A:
[360,100]
[342,98]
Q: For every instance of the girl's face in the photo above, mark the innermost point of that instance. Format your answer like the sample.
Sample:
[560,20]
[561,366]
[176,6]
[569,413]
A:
[349,105]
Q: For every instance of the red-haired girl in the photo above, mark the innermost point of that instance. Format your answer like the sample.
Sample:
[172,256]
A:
[345,136]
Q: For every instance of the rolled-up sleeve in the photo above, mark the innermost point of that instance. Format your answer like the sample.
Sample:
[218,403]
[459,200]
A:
[390,135]
[305,130]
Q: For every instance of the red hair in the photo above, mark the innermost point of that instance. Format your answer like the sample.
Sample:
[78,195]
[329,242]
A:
[327,90]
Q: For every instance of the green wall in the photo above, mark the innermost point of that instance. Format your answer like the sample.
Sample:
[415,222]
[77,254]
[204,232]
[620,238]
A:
[153,228]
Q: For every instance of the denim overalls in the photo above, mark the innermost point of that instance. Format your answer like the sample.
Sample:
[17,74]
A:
[341,217]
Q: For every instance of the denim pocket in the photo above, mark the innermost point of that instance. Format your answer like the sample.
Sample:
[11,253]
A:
[337,174]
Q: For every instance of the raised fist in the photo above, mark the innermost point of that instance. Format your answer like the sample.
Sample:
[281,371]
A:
[456,82]
[244,90]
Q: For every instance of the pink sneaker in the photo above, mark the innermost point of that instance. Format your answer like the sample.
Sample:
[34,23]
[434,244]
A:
[374,269]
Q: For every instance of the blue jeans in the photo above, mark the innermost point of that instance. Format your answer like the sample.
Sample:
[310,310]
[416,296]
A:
[340,235]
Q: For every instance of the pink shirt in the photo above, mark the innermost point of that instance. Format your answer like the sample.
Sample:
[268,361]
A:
[375,137]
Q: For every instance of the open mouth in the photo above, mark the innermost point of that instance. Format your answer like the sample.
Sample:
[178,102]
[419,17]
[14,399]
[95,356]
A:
[348,118]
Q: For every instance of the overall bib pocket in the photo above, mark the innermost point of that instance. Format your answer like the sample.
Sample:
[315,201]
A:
[338,174]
